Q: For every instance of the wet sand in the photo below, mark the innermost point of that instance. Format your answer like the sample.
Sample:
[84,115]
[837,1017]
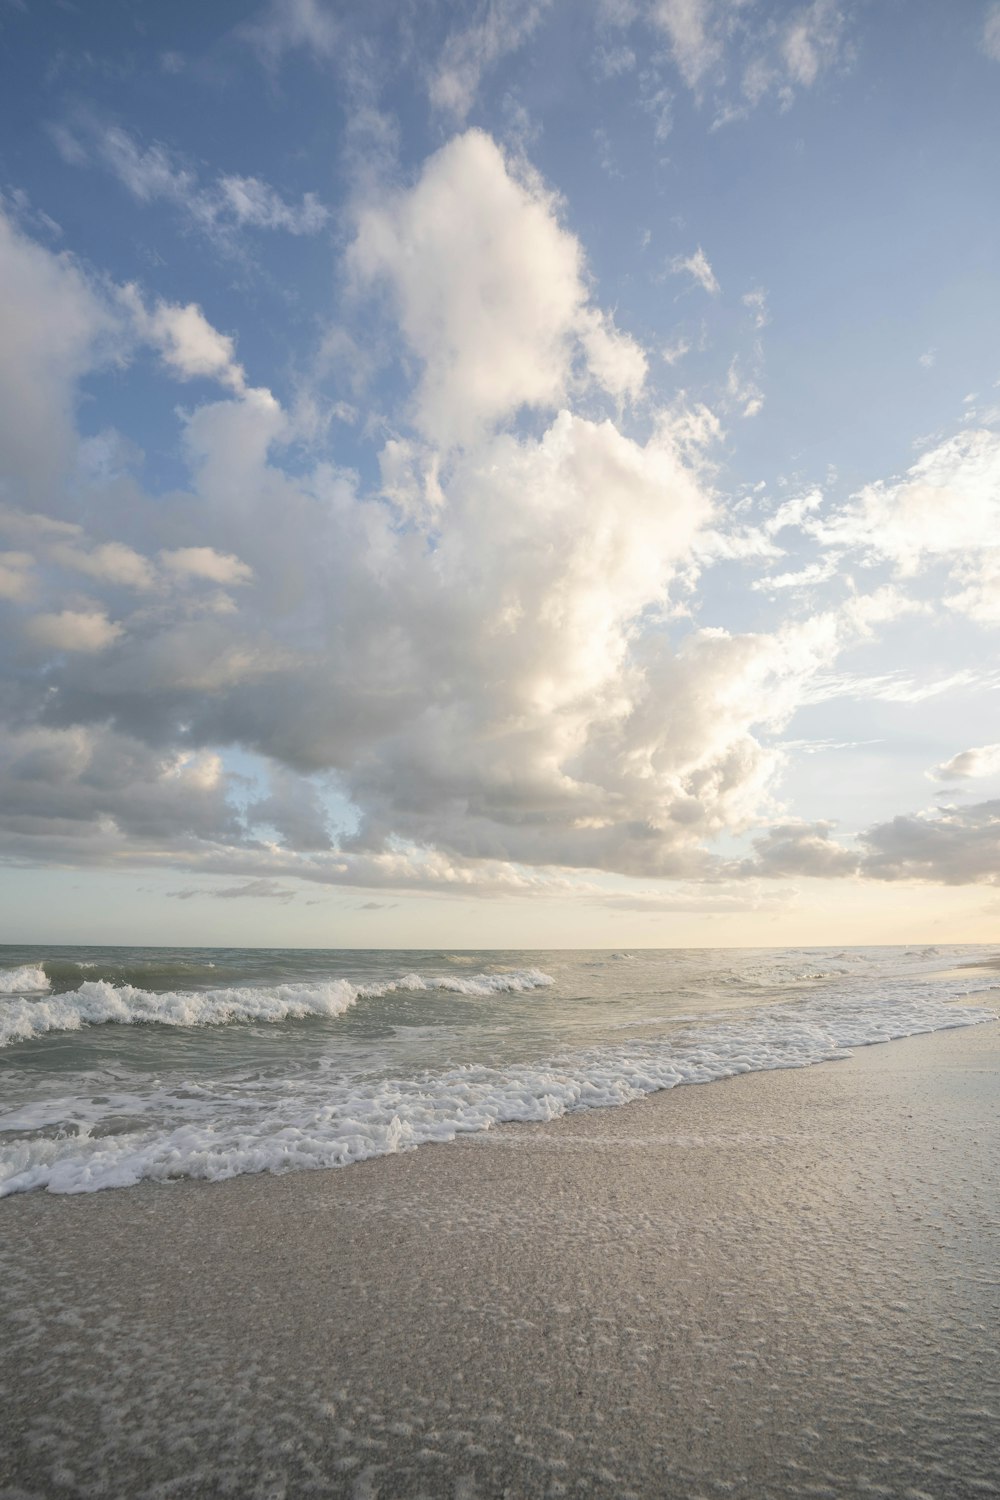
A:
[781,1285]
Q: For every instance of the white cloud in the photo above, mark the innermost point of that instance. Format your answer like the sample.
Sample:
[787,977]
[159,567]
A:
[742,391]
[696,265]
[251,201]
[674,352]
[711,40]
[811,41]
[113,563]
[489,290]
[205,562]
[500,27]
[156,174]
[982,760]
[946,508]
[978,587]
[286,25]
[689,25]
[614,360]
[54,324]
[188,344]
[756,301]
[797,578]
[148,173]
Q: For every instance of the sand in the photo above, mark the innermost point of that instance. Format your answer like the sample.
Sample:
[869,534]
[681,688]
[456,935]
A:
[781,1285]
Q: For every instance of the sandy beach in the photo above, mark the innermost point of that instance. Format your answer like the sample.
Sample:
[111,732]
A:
[781,1285]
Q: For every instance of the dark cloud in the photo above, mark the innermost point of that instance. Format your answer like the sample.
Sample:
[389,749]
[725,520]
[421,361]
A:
[961,846]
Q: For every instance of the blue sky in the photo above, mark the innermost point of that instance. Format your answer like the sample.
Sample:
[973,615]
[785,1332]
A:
[513,472]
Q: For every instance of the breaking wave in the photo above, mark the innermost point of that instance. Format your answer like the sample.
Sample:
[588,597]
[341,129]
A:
[97,1002]
[27,980]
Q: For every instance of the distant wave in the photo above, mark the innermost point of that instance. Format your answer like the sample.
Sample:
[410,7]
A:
[97,1002]
[145,974]
[28,979]
[513,981]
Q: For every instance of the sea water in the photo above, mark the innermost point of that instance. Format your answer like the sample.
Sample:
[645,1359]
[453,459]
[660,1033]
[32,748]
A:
[127,1063]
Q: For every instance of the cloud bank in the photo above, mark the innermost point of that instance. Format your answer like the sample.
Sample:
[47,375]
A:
[476,665]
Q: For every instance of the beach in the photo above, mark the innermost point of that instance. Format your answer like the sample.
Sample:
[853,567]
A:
[779,1284]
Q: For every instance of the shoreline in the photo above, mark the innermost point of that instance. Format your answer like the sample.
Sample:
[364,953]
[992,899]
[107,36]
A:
[779,1283]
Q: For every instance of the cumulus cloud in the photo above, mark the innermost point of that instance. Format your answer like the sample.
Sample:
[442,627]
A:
[474,675]
[489,291]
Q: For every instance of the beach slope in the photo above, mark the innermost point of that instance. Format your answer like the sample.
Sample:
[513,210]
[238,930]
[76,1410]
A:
[781,1285]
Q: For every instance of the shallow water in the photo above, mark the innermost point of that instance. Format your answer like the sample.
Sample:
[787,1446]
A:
[131,1063]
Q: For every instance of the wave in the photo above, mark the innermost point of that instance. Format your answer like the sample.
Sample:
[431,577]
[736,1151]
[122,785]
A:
[512,982]
[97,1002]
[775,976]
[224,1128]
[28,979]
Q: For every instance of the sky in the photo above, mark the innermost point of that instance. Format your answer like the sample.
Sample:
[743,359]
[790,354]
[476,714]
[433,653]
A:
[499,473]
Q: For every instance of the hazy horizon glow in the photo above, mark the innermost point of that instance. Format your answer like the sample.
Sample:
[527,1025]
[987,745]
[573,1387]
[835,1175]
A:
[502,474]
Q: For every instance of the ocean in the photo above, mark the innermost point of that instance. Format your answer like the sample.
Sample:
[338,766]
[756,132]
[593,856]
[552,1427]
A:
[124,1064]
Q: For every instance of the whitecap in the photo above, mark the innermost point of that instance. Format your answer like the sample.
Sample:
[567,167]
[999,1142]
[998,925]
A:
[29,979]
